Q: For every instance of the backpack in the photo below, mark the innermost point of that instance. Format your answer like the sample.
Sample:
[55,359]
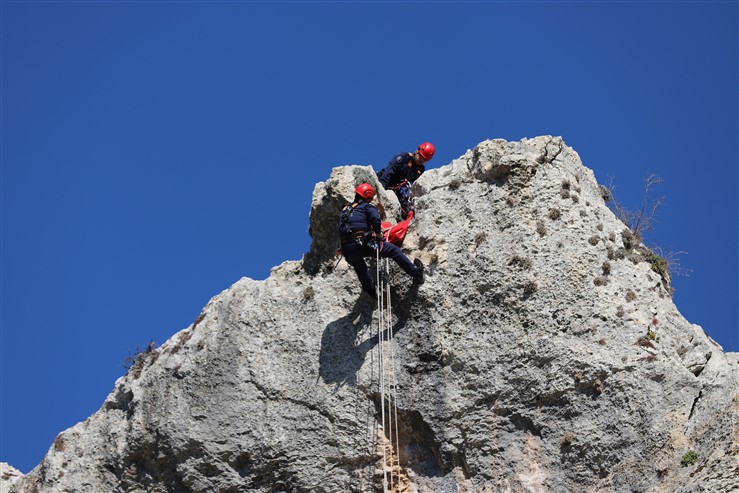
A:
[361,238]
[346,213]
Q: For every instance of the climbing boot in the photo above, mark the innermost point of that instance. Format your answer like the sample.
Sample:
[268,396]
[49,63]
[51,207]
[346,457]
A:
[419,277]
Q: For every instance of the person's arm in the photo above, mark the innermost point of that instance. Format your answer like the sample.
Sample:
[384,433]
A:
[388,175]
[373,220]
[415,172]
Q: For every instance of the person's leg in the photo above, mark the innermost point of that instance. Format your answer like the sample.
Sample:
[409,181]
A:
[354,257]
[364,278]
[393,252]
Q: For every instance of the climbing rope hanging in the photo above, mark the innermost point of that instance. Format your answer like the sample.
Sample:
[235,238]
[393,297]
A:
[386,332]
[381,373]
[394,383]
[389,420]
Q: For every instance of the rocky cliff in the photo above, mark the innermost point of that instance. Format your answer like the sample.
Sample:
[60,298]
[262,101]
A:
[543,354]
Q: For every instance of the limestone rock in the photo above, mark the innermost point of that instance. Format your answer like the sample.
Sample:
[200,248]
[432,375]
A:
[540,355]
[329,198]
[8,476]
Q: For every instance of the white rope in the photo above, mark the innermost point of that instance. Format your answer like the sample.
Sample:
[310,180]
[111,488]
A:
[394,412]
[386,331]
[389,420]
[380,326]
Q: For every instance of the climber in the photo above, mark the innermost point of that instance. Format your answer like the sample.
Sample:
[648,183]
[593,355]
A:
[402,171]
[361,236]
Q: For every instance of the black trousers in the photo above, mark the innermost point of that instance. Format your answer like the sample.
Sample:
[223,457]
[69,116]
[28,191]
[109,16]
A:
[355,255]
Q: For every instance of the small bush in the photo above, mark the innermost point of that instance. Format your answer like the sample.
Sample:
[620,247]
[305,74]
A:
[630,295]
[481,238]
[182,339]
[541,228]
[564,193]
[575,198]
[454,184]
[520,262]
[530,288]
[579,377]
[690,458]
[567,439]
[642,219]
[554,214]
[135,362]
[59,444]
[566,184]
[631,239]
[606,267]
[620,311]
[644,341]
[308,293]
[593,240]
[602,341]
[616,253]
[658,264]
[650,358]
[634,256]
[600,281]
[612,237]
[605,192]
[598,386]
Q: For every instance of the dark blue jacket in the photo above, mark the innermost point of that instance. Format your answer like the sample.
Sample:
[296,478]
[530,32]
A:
[364,218]
[400,168]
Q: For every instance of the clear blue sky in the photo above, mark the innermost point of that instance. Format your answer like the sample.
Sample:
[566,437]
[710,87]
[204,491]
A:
[153,153]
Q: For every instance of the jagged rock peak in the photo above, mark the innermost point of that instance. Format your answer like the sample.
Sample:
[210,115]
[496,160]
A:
[543,353]
[8,476]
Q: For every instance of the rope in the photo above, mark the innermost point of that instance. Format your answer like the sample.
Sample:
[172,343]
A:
[380,326]
[386,331]
[389,420]
[394,412]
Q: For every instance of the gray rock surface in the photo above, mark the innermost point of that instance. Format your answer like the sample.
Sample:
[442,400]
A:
[8,476]
[543,354]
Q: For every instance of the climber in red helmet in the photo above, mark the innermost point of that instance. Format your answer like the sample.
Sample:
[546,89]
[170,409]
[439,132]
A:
[402,171]
[361,236]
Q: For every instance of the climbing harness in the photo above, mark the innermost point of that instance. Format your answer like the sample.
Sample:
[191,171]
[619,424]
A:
[359,236]
[399,185]
[405,196]
[389,419]
[346,213]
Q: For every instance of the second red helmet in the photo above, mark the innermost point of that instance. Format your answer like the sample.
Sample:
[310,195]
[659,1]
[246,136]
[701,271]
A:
[426,150]
[365,190]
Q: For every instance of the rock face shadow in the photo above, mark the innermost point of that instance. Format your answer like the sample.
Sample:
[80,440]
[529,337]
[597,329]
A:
[341,355]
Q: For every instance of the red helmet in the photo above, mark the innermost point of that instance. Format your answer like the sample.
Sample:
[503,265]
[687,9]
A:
[426,150]
[365,190]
